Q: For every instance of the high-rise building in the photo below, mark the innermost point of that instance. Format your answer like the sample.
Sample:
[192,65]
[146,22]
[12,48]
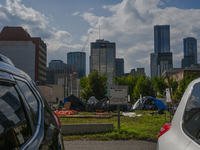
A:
[103,55]
[161,39]
[119,67]
[79,59]
[190,52]
[161,59]
[26,52]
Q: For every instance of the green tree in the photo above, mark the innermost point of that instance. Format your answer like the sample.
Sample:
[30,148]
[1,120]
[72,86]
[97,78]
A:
[83,82]
[144,86]
[120,80]
[96,86]
[131,81]
[173,84]
[183,85]
[159,84]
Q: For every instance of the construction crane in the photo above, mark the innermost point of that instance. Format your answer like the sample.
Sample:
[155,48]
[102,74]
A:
[74,74]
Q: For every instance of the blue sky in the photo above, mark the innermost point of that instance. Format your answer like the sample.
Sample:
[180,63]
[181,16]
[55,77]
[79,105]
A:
[64,25]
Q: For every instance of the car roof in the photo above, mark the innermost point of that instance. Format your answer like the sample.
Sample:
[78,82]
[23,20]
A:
[5,67]
[6,60]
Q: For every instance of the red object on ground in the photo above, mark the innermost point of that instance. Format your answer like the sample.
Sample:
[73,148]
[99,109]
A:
[99,110]
[64,112]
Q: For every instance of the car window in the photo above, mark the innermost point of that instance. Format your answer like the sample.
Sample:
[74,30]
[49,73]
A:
[14,127]
[192,113]
[31,99]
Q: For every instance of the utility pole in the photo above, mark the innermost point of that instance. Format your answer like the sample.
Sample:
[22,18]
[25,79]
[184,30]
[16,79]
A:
[64,80]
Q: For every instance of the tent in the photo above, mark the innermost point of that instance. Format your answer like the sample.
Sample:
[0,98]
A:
[92,100]
[95,104]
[76,103]
[148,101]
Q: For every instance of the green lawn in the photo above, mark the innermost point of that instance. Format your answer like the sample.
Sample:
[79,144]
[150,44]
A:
[145,127]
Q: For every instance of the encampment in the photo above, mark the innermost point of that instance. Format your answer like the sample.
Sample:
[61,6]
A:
[76,103]
[148,102]
[95,104]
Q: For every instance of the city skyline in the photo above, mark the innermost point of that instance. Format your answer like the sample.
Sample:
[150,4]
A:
[65,25]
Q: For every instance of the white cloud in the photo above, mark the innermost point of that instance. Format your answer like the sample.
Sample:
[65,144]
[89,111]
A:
[13,13]
[131,26]
[91,9]
[75,14]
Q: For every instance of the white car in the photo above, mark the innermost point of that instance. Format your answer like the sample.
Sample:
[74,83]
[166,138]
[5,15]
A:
[183,133]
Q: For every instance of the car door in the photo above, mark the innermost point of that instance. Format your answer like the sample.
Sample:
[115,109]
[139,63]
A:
[191,118]
[15,127]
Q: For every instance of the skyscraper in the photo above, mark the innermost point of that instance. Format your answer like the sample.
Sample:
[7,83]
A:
[80,58]
[119,67]
[161,59]
[190,52]
[103,54]
[161,39]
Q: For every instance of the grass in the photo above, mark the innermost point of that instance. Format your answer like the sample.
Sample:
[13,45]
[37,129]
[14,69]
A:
[145,127]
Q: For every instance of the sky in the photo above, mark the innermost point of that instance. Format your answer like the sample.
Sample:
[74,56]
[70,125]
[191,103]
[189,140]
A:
[64,25]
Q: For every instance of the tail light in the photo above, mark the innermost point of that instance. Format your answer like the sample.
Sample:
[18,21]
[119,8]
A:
[164,129]
[57,121]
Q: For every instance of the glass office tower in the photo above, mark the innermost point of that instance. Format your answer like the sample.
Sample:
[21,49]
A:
[103,54]
[161,59]
[190,52]
[162,38]
[119,67]
[79,59]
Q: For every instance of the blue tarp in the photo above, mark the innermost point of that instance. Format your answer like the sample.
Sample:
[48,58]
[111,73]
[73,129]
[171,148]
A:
[159,104]
[140,104]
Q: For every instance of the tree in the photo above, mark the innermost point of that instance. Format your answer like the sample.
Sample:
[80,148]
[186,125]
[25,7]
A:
[131,81]
[143,86]
[183,85]
[84,82]
[173,84]
[96,86]
[120,80]
[159,84]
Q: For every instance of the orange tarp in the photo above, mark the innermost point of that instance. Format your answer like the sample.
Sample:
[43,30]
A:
[65,112]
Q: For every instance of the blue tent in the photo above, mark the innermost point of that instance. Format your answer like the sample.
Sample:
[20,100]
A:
[140,104]
[159,104]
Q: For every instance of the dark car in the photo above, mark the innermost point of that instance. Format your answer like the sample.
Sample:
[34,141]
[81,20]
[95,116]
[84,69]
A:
[26,120]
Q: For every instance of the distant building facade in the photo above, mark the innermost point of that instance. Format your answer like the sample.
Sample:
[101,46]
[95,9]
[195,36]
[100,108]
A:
[161,59]
[60,73]
[119,67]
[187,71]
[58,69]
[170,72]
[26,52]
[103,55]
[190,52]
[79,59]
[140,71]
